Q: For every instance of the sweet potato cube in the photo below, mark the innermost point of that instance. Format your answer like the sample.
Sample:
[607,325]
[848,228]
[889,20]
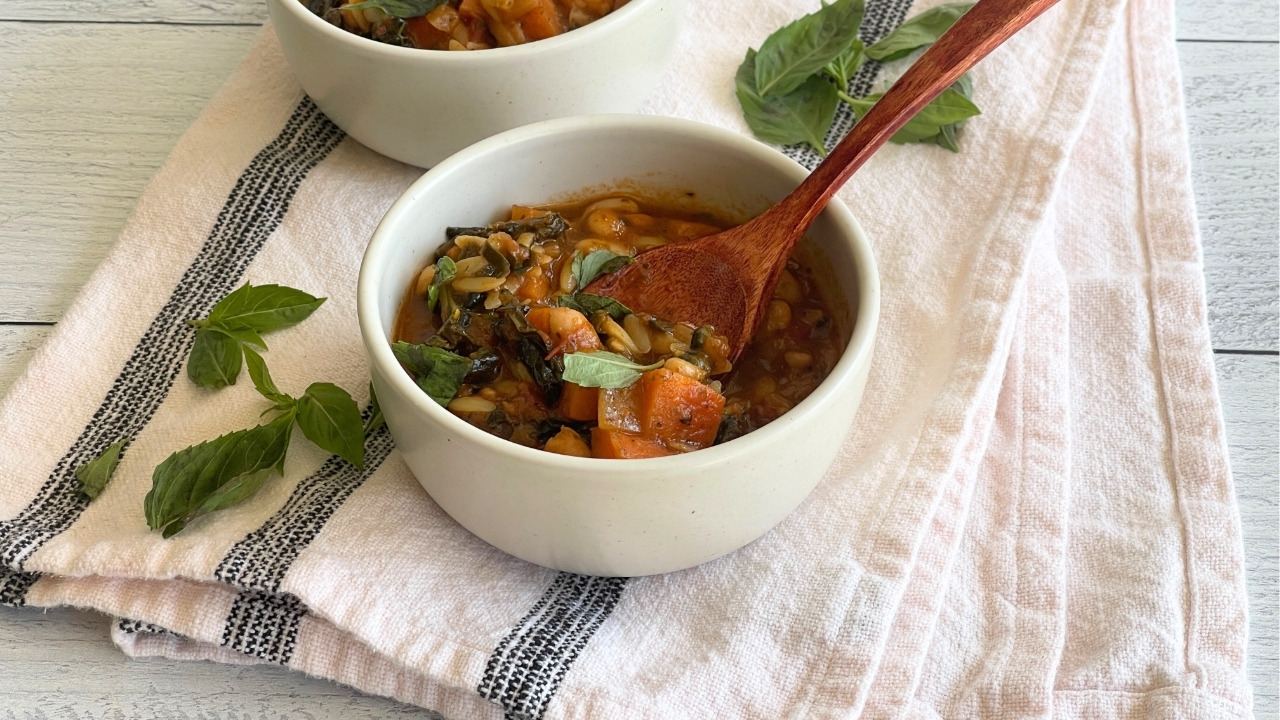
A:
[579,403]
[676,408]
[617,445]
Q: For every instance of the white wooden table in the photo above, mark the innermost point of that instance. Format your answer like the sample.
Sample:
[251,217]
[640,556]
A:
[93,95]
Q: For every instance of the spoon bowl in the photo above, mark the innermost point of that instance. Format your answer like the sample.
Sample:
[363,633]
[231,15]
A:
[726,279]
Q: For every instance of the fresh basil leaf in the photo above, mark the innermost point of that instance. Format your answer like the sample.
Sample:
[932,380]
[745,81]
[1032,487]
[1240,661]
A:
[603,369]
[262,380]
[331,419]
[215,474]
[843,67]
[263,308]
[802,116]
[403,9]
[793,54]
[215,359]
[587,268]
[446,270]
[375,413]
[244,335]
[949,107]
[589,304]
[95,474]
[921,30]
[438,372]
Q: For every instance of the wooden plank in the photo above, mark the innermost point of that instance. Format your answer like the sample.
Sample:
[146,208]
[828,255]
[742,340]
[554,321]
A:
[1249,385]
[17,344]
[81,144]
[1232,91]
[1197,19]
[222,12]
[1235,20]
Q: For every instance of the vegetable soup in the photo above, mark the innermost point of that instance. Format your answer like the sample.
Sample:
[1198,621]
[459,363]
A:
[460,24]
[500,331]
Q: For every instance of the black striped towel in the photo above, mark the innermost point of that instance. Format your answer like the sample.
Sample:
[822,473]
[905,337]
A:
[1039,453]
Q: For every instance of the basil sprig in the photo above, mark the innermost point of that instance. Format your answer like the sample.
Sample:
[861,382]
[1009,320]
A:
[437,371]
[791,88]
[920,31]
[95,474]
[603,369]
[239,321]
[587,268]
[225,471]
[796,52]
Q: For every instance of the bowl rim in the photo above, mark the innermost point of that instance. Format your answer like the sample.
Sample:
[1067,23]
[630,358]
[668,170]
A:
[513,53]
[383,242]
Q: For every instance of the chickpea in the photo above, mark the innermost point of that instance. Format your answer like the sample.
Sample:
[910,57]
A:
[778,315]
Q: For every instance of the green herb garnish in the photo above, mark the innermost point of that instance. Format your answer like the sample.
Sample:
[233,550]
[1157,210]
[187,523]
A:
[228,470]
[789,90]
[801,116]
[437,371]
[587,268]
[796,52]
[95,474]
[238,321]
[603,369]
[918,32]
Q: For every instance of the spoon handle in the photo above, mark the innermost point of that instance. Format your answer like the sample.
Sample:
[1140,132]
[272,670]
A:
[979,31]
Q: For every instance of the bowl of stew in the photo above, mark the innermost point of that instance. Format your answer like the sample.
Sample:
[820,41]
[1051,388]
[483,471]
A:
[419,88]
[582,435]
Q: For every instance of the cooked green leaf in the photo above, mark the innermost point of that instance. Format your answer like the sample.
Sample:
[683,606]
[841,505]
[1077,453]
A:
[215,359]
[95,474]
[801,116]
[215,474]
[398,8]
[842,68]
[262,379]
[921,30]
[446,270]
[331,419]
[603,369]
[587,268]
[437,371]
[793,54]
[589,304]
[263,308]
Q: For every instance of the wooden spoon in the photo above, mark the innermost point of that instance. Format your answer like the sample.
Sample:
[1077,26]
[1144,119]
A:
[726,280]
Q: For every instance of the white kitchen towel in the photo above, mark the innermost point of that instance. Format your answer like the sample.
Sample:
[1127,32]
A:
[1032,515]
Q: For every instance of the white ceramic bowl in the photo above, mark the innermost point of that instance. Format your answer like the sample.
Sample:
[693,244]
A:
[420,106]
[611,517]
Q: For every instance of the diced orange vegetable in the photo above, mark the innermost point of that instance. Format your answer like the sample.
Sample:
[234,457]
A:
[618,409]
[567,330]
[423,34]
[535,285]
[676,408]
[617,445]
[541,22]
[568,442]
[579,403]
